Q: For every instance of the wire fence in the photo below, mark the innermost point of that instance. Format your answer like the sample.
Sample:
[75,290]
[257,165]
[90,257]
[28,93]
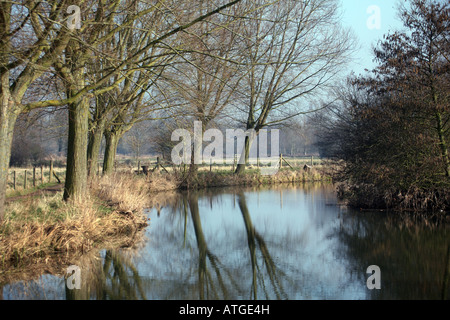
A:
[32,177]
[145,165]
[26,178]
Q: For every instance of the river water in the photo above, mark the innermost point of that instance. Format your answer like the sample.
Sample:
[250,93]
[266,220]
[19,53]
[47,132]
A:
[282,242]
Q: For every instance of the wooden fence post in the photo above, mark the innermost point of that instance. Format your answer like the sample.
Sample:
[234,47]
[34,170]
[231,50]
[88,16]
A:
[14,179]
[34,176]
[281,160]
[311,161]
[42,174]
[25,180]
[51,171]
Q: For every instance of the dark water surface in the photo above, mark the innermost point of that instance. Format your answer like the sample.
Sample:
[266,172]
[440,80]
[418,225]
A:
[284,242]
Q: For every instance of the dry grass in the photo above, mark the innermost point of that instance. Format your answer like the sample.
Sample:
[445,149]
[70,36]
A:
[125,192]
[252,177]
[41,231]
[159,181]
[128,192]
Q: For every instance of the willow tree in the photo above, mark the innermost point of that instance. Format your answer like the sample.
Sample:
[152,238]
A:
[136,108]
[34,39]
[294,50]
[205,80]
[31,39]
[122,68]
[114,111]
[140,95]
[102,37]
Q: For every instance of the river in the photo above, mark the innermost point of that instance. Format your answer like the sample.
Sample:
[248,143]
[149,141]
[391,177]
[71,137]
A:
[292,242]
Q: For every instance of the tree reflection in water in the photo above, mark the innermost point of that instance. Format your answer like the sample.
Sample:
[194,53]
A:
[262,243]
[255,241]
[112,278]
[210,284]
[414,258]
[207,287]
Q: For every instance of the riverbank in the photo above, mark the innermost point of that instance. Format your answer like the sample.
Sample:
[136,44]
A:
[44,231]
[251,177]
[433,202]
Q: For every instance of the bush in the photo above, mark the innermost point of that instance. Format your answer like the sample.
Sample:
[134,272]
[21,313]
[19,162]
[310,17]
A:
[27,153]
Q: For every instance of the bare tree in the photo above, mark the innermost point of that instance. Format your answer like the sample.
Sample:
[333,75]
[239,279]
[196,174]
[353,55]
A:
[31,38]
[205,80]
[294,50]
[35,39]
[138,139]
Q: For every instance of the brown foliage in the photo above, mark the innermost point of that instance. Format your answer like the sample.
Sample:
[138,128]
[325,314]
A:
[394,127]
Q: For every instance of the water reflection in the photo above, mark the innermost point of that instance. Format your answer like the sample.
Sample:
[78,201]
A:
[205,279]
[213,284]
[294,242]
[414,260]
[256,241]
[114,277]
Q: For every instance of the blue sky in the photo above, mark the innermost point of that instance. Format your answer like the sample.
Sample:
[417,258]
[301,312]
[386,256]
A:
[355,15]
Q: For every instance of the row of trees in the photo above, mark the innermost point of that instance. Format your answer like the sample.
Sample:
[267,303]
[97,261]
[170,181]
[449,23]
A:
[392,127]
[130,61]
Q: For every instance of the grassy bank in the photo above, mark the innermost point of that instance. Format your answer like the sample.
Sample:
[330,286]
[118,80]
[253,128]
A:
[45,230]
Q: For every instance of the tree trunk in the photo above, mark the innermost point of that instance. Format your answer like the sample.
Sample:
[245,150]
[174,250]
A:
[197,155]
[76,171]
[112,140]
[94,144]
[7,122]
[6,125]
[193,167]
[76,174]
[443,144]
[438,116]
[243,159]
